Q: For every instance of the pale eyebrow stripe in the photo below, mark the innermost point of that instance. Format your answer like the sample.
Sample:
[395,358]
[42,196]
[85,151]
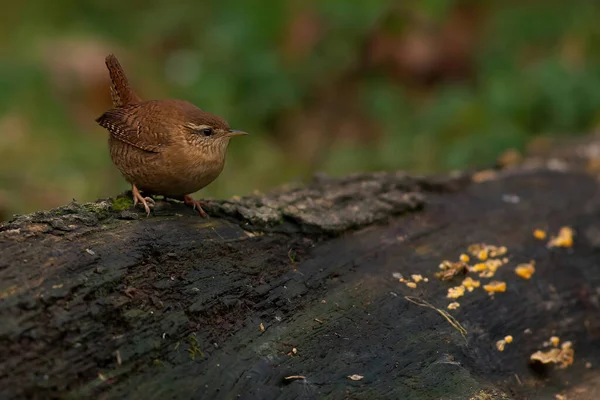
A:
[197,127]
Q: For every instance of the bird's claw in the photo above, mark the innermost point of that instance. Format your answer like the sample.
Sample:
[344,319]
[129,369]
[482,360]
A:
[196,205]
[138,198]
[147,202]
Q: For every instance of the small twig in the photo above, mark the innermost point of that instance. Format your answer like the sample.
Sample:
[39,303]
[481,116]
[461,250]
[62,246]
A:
[292,256]
[448,317]
[213,228]
[294,377]
[518,379]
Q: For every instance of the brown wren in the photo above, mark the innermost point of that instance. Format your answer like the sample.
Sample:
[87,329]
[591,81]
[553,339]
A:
[165,147]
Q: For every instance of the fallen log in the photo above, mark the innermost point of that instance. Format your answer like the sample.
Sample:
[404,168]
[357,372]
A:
[311,292]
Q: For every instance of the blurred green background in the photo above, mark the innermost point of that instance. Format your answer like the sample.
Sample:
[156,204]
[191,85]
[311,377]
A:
[337,86]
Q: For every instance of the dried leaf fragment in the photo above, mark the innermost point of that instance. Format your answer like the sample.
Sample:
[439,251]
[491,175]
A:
[482,176]
[510,157]
[451,269]
[355,377]
[526,270]
[500,344]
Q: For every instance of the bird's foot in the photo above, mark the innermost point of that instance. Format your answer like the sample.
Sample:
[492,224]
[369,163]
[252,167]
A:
[138,198]
[195,204]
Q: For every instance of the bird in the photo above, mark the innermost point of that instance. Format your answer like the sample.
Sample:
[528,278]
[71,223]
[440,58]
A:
[166,147]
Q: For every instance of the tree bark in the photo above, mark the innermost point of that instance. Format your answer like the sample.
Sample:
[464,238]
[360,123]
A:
[302,293]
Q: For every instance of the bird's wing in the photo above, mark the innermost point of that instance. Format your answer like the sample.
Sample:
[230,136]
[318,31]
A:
[127,125]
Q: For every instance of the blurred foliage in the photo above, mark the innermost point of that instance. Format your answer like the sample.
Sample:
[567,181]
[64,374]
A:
[322,85]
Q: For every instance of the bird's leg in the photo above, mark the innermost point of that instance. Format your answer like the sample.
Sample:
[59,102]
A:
[137,197]
[195,204]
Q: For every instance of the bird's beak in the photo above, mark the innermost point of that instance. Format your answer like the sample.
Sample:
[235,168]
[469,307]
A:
[234,132]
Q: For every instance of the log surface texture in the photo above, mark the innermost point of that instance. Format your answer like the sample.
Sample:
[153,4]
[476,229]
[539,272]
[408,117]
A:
[291,294]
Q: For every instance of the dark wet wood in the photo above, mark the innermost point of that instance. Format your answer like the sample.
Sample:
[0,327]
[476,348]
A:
[102,303]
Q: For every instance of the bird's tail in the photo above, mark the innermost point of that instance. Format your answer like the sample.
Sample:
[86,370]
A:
[120,91]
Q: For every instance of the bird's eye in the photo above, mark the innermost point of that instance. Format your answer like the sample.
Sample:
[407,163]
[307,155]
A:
[207,131]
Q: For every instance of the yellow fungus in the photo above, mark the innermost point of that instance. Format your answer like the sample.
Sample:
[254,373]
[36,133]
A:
[479,267]
[495,287]
[470,284]
[564,238]
[525,271]
[563,356]
[483,255]
[456,292]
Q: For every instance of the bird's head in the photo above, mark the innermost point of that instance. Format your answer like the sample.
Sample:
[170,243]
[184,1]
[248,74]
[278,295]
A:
[207,130]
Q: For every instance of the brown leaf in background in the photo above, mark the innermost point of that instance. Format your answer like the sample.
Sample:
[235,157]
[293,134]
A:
[303,33]
[77,70]
[419,51]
